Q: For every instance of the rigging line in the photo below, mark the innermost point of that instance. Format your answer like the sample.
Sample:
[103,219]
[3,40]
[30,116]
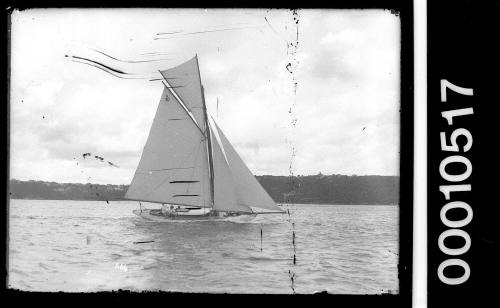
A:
[224,25]
[173,32]
[126,61]
[183,105]
[201,32]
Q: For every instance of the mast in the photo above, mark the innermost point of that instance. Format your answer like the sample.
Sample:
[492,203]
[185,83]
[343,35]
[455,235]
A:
[208,138]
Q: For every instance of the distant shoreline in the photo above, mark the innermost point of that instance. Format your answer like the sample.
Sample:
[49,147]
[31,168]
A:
[312,189]
[158,203]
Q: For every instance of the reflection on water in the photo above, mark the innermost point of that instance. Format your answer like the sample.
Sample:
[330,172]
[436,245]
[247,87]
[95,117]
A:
[89,246]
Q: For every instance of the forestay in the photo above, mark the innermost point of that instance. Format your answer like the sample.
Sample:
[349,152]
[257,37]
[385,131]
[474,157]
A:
[225,198]
[247,189]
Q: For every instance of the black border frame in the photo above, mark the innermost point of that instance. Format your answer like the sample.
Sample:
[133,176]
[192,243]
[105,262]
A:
[402,8]
[463,48]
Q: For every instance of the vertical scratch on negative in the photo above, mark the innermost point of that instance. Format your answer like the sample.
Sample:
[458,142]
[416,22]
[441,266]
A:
[291,67]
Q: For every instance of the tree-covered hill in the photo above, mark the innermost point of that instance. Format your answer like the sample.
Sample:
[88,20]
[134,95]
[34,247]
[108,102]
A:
[318,189]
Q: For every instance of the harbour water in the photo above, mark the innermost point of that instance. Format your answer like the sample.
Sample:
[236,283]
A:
[88,246]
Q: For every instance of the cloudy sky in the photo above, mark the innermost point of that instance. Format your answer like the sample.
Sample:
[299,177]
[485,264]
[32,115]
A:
[342,116]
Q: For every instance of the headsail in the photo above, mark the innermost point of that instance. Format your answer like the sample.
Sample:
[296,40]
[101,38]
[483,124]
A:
[225,198]
[173,166]
[247,189]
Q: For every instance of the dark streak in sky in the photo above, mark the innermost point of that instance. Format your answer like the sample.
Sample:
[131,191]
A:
[180,32]
[199,32]
[99,63]
[107,71]
[96,66]
[127,61]
[106,68]
[173,32]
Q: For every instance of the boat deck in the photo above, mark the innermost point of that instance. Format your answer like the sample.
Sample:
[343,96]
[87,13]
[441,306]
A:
[157,215]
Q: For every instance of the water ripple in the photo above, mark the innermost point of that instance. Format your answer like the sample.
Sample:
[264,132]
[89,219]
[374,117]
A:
[81,246]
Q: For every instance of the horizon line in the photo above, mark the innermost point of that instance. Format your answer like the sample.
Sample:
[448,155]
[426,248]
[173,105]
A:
[298,175]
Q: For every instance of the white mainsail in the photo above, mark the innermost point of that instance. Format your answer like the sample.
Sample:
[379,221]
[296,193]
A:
[248,190]
[187,160]
[174,165]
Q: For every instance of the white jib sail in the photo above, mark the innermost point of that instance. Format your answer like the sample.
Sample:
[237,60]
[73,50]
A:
[247,189]
[224,192]
[173,167]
